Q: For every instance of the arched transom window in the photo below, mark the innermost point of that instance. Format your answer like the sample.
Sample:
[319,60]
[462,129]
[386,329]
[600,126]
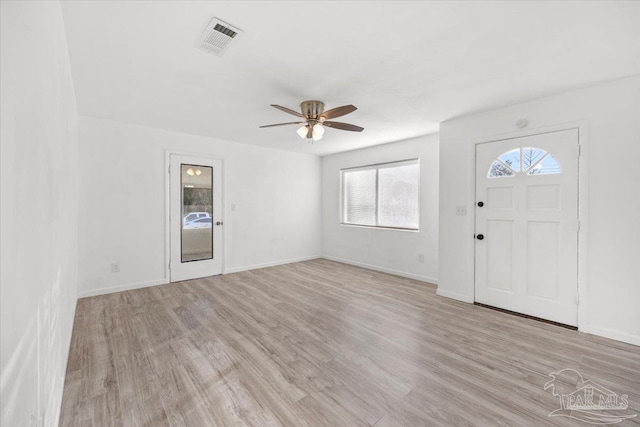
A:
[529,160]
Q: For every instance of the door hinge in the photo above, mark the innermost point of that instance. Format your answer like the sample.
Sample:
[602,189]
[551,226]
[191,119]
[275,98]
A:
[577,298]
[578,225]
[169,266]
[579,150]
[169,170]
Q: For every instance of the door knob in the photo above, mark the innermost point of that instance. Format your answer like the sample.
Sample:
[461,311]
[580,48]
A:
[218,222]
[480,236]
[481,204]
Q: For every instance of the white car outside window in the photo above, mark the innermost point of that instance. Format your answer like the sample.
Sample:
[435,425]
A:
[194,216]
[199,223]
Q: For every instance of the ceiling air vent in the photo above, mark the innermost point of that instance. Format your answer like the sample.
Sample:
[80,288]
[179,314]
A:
[218,35]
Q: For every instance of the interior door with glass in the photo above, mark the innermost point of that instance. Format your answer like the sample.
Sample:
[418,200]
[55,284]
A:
[195,218]
[527,225]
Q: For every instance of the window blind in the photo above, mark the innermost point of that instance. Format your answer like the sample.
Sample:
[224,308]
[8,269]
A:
[384,195]
[360,197]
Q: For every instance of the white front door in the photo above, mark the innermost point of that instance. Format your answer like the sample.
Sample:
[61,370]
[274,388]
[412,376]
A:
[527,225]
[195,219]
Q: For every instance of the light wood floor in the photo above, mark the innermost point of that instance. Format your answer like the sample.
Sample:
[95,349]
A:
[320,343]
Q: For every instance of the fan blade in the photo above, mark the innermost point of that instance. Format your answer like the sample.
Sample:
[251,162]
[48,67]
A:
[338,111]
[343,126]
[287,110]
[282,124]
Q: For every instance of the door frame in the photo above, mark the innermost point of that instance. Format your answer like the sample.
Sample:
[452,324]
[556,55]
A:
[583,195]
[167,202]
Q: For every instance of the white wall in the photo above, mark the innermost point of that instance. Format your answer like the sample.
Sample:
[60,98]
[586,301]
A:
[122,203]
[39,201]
[393,251]
[610,113]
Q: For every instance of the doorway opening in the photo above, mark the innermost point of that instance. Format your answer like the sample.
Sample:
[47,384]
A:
[526,225]
[195,217]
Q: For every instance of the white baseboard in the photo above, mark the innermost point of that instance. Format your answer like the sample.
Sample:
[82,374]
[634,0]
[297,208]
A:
[269,264]
[164,281]
[383,269]
[453,295]
[611,334]
[67,347]
[588,329]
[120,288]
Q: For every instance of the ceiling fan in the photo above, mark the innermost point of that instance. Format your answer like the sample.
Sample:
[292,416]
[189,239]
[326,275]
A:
[315,118]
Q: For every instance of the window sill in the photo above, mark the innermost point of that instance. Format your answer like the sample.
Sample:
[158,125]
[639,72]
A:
[375,227]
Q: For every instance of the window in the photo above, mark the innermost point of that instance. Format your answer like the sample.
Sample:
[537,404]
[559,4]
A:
[533,161]
[384,195]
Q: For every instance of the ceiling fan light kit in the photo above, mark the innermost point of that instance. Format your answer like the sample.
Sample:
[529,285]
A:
[315,119]
[318,131]
[303,131]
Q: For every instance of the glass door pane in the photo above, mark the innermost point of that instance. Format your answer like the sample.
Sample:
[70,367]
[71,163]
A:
[196,183]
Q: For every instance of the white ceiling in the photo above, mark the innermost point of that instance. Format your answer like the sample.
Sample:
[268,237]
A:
[406,65]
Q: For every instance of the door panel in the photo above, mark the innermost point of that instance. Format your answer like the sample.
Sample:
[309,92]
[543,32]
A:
[527,260]
[543,254]
[543,197]
[500,197]
[195,217]
[499,254]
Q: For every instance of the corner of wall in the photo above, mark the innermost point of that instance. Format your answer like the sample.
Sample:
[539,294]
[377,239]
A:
[39,135]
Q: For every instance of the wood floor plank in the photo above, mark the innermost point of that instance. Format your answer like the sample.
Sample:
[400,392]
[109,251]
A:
[319,343]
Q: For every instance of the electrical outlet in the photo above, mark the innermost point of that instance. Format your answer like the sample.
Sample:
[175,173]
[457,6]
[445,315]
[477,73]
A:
[461,210]
[115,267]
[420,257]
